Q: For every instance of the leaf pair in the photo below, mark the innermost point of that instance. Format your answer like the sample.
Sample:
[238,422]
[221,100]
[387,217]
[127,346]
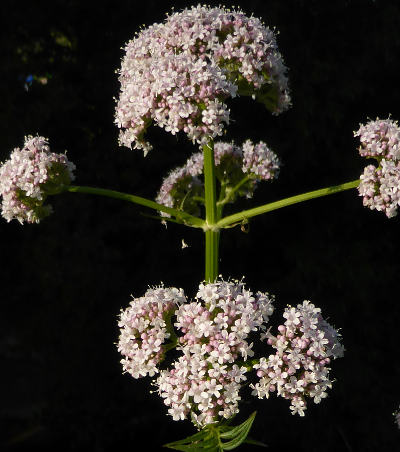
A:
[217,438]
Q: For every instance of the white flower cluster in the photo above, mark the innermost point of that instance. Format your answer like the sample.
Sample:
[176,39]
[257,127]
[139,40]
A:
[379,139]
[260,161]
[232,164]
[179,74]
[206,380]
[29,176]
[299,368]
[144,330]
[201,388]
[380,186]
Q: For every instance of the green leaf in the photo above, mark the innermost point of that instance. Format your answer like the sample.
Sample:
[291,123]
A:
[196,437]
[234,431]
[205,440]
[211,438]
[238,434]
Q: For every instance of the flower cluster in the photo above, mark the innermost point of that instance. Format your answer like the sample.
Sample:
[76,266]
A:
[201,388]
[379,139]
[299,368]
[29,176]
[380,186]
[178,190]
[234,164]
[206,380]
[180,73]
[212,336]
[260,161]
[144,330]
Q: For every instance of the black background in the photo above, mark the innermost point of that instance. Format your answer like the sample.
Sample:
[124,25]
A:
[64,281]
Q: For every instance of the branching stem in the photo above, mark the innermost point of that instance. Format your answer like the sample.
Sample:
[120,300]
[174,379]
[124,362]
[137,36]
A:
[180,216]
[237,218]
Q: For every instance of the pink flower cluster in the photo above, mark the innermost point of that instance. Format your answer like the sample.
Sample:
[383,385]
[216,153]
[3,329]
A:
[380,139]
[29,176]
[260,161]
[212,336]
[380,186]
[206,380]
[299,368]
[232,163]
[144,330]
[180,73]
[201,389]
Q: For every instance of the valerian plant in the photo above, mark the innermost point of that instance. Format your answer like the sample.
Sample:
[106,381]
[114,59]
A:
[180,76]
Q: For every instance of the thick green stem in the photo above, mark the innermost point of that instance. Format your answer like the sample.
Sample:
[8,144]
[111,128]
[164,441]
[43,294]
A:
[183,217]
[212,234]
[212,242]
[238,217]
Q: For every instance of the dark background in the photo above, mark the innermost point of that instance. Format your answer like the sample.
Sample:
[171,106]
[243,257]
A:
[64,281]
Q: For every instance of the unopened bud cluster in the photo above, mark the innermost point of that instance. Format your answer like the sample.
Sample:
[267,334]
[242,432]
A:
[380,185]
[29,176]
[250,163]
[212,335]
[180,73]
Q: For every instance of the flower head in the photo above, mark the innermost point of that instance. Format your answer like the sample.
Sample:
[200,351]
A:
[299,368]
[180,73]
[379,139]
[218,323]
[260,161]
[205,382]
[213,331]
[201,389]
[29,176]
[144,330]
[380,186]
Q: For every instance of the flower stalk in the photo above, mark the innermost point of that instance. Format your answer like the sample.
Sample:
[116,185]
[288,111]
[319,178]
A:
[230,192]
[237,218]
[181,216]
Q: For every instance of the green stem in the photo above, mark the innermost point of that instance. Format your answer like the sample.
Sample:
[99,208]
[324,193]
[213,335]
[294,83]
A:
[212,242]
[198,198]
[173,337]
[238,217]
[231,191]
[220,204]
[212,236]
[183,217]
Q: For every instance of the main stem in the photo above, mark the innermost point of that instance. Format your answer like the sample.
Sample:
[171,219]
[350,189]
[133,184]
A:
[212,234]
